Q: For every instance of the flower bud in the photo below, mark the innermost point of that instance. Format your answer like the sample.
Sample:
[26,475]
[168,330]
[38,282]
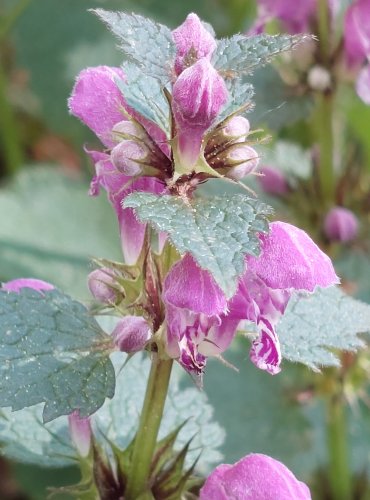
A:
[254,477]
[192,42]
[198,96]
[340,224]
[131,333]
[273,181]
[18,284]
[126,157]
[127,129]
[236,127]
[80,432]
[234,130]
[246,160]
[102,285]
[319,78]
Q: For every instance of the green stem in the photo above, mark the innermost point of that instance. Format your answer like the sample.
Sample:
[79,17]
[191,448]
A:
[339,472]
[150,419]
[12,151]
[325,139]
[324,28]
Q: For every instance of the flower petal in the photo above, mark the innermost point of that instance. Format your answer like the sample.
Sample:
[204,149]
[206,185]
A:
[118,186]
[254,477]
[265,352]
[198,96]
[97,101]
[291,260]
[191,36]
[17,285]
[187,286]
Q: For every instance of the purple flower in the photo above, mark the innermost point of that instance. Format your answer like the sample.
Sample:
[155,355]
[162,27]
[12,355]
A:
[340,224]
[201,323]
[273,181]
[198,96]
[357,32]
[357,44]
[294,20]
[194,307]
[254,477]
[193,42]
[80,432]
[131,334]
[98,102]
[18,284]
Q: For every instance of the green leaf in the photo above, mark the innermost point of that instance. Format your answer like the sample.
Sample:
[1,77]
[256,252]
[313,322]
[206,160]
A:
[242,54]
[240,94]
[327,319]
[53,351]
[53,228]
[143,41]
[145,95]
[217,232]
[25,438]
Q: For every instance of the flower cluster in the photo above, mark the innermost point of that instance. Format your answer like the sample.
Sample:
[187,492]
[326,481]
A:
[199,320]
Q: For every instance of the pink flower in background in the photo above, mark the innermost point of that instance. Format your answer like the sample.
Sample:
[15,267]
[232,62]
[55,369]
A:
[294,19]
[193,41]
[98,102]
[273,181]
[340,224]
[201,323]
[254,477]
[357,44]
[17,285]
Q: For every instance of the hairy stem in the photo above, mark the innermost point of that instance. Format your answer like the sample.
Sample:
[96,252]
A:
[339,472]
[147,433]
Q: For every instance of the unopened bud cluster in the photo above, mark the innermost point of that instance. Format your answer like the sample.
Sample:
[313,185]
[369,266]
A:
[227,150]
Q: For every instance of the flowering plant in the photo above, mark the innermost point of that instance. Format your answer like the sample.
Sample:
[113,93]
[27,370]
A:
[197,270]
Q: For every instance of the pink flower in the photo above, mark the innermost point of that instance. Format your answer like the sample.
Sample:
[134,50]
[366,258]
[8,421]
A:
[254,477]
[201,323]
[273,181]
[357,44]
[294,20]
[98,102]
[198,96]
[18,284]
[80,432]
[131,333]
[357,32]
[193,42]
[340,224]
